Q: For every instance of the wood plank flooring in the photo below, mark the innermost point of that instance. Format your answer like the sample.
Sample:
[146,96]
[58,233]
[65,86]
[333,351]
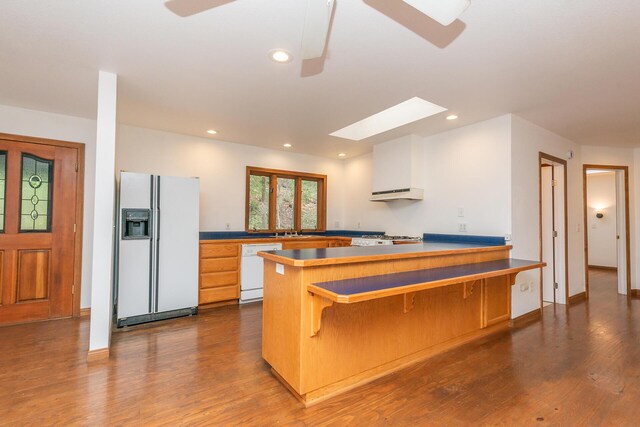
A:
[576,368]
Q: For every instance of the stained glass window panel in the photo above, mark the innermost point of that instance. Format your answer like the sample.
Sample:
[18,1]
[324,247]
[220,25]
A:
[285,203]
[259,193]
[3,180]
[36,197]
[309,206]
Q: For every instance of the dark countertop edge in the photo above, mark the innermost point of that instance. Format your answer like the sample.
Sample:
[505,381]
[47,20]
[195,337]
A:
[463,238]
[234,235]
[326,261]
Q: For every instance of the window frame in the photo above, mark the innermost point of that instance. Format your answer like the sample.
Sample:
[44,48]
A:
[273,174]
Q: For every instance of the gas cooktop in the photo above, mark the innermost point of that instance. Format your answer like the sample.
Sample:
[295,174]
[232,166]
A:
[386,237]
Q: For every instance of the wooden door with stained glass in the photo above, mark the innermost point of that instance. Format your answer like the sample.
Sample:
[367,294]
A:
[37,217]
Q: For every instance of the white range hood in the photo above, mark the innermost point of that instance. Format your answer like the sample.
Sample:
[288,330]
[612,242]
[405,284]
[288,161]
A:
[398,170]
[399,194]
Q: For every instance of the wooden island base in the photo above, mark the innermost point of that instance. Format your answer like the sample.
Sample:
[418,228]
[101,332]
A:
[336,321]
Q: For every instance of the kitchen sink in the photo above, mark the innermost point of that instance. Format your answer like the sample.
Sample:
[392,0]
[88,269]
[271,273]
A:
[299,236]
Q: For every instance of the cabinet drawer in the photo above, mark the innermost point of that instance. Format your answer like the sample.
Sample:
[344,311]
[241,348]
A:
[214,280]
[225,293]
[214,265]
[218,251]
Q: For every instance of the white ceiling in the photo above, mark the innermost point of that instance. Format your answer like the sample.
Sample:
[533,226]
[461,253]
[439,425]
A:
[571,66]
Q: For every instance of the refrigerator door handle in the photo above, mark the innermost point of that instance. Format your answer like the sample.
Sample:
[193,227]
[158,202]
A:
[152,248]
[157,246]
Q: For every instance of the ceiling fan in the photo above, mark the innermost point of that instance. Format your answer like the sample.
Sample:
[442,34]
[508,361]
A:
[319,13]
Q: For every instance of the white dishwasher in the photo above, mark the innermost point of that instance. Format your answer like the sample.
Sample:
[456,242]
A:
[252,271]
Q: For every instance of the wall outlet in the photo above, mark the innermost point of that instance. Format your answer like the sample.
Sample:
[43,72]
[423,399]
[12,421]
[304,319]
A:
[524,287]
[280,268]
[461,212]
[462,227]
[358,224]
[228,226]
[507,237]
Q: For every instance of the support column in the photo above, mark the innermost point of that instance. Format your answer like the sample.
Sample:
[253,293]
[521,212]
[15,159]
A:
[103,218]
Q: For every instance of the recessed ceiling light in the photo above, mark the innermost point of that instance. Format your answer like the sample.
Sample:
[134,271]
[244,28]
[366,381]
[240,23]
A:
[280,55]
[452,117]
[212,132]
[287,145]
[401,114]
[342,155]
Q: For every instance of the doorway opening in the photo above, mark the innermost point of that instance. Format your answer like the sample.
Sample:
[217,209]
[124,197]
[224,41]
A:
[554,279]
[606,219]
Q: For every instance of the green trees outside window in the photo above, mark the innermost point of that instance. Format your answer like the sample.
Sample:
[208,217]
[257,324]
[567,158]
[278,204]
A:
[285,201]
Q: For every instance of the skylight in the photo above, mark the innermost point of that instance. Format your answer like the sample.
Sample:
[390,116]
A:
[406,112]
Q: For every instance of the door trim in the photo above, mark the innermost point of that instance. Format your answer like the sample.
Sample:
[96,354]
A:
[626,221]
[543,156]
[77,245]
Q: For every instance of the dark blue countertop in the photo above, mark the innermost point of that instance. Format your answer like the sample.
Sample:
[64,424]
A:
[395,280]
[224,235]
[464,238]
[302,257]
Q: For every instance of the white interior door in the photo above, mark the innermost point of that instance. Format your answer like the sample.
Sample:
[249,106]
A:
[178,239]
[559,223]
[621,232]
[547,235]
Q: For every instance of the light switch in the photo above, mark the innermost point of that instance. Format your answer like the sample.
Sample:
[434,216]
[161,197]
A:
[280,268]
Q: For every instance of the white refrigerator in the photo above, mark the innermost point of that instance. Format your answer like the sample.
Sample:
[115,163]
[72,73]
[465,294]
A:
[157,253]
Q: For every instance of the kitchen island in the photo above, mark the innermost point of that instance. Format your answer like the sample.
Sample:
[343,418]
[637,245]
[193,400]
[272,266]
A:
[337,318]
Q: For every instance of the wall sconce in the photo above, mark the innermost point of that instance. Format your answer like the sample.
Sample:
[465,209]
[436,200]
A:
[599,214]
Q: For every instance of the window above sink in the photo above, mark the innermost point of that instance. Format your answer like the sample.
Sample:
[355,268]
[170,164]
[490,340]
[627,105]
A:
[279,201]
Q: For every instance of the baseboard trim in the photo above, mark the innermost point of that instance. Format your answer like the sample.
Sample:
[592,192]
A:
[575,299]
[84,312]
[217,304]
[635,293]
[97,355]
[602,267]
[525,319]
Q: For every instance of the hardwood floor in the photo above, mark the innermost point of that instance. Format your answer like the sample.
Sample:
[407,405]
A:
[575,368]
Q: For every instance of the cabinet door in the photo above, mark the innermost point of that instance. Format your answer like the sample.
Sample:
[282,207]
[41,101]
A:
[496,300]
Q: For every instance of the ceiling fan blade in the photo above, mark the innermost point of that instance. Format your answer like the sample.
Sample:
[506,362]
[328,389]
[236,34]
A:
[316,27]
[186,8]
[442,11]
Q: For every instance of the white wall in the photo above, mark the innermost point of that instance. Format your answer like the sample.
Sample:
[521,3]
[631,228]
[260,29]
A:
[467,168]
[19,121]
[221,169]
[613,156]
[601,194]
[527,141]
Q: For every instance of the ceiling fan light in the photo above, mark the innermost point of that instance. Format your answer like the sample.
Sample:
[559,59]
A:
[442,11]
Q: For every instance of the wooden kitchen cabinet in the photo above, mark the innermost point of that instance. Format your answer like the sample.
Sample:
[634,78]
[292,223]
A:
[220,263]
[298,244]
[219,272]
